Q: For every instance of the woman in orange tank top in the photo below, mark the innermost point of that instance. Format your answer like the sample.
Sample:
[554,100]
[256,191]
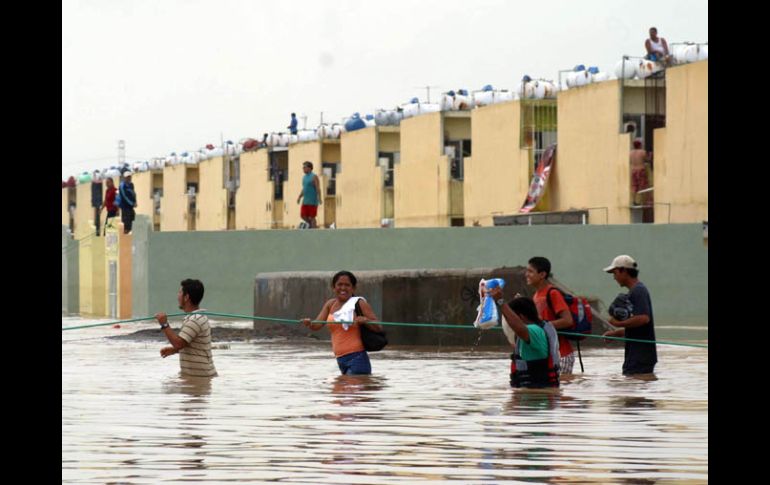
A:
[346,338]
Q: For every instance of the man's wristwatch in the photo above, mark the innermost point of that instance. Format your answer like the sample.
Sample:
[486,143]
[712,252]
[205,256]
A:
[163,325]
[501,302]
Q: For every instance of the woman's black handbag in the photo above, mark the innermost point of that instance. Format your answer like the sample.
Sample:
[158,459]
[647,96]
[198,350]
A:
[373,341]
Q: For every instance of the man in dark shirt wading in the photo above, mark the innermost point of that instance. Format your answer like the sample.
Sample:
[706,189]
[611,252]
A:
[640,358]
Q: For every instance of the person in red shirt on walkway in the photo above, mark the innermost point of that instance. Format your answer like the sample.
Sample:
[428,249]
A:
[109,202]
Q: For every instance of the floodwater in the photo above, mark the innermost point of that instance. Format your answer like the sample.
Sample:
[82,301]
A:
[279,412]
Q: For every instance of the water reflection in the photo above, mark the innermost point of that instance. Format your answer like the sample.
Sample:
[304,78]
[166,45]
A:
[446,416]
[188,413]
[351,389]
[528,400]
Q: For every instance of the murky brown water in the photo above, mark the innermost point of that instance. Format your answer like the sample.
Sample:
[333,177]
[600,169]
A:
[281,412]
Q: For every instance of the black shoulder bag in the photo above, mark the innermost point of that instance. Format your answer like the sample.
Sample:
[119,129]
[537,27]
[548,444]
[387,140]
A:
[373,341]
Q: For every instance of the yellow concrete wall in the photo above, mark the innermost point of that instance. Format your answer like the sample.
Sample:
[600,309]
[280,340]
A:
[457,125]
[331,152]
[359,185]
[634,97]
[99,281]
[92,280]
[143,187]
[124,274]
[84,213]
[212,196]
[156,177]
[497,175]
[85,275]
[421,193]
[252,201]
[65,215]
[592,167]
[681,148]
[173,205]
[388,141]
[298,154]
[111,253]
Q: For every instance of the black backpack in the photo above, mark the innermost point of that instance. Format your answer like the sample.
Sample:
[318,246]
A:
[373,341]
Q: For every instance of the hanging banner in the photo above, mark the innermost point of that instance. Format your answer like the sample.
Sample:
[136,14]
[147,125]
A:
[539,179]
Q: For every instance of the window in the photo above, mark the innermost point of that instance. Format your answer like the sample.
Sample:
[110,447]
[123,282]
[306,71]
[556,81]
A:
[457,150]
[387,160]
[330,172]
[279,172]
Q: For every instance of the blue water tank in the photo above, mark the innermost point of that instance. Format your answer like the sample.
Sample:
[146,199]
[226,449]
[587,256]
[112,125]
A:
[593,70]
[488,87]
[354,123]
[579,67]
[414,100]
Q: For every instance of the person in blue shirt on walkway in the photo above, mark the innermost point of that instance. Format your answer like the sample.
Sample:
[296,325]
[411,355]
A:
[293,125]
[127,202]
[311,191]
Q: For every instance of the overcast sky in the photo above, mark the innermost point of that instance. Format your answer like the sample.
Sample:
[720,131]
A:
[174,75]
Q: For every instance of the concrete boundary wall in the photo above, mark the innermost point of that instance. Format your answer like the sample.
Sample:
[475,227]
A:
[673,260]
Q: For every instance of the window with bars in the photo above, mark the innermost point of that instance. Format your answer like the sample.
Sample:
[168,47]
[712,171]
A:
[538,126]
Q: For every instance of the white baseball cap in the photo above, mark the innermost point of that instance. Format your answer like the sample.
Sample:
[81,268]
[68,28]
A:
[622,261]
[128,173]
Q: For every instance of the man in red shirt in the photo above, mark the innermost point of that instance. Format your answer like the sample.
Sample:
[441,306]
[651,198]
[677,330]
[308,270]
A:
[537,274]
[109,202]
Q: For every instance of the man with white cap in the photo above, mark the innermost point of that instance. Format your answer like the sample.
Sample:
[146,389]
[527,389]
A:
[640,358]
[127,201]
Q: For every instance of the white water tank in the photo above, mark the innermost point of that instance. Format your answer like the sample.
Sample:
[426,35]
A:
[273,140]
[600,77]
[336,130]
[483,98]
[703,52]
[462,102]
[429,108]
[691,53]
[447,102]
[625,69]
[647,68]
[571,79]
[381,117]
[411,109]
[582,78]
[678,53]
[307,135]
[503,96]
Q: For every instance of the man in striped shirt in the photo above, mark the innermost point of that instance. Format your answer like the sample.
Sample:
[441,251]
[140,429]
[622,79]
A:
[194,340]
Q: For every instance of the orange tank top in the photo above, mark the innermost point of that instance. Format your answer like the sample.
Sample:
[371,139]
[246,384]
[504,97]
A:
[344,342]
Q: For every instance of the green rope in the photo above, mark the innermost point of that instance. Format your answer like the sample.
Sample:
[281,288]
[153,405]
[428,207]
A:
[396,324]
[117,322]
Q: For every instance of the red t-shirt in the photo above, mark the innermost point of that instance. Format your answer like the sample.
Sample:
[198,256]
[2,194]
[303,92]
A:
[559,305]
[109,198]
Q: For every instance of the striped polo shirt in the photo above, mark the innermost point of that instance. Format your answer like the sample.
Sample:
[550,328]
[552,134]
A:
[195,358]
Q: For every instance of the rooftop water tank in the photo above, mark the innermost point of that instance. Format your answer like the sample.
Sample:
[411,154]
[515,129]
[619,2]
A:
[625,69]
